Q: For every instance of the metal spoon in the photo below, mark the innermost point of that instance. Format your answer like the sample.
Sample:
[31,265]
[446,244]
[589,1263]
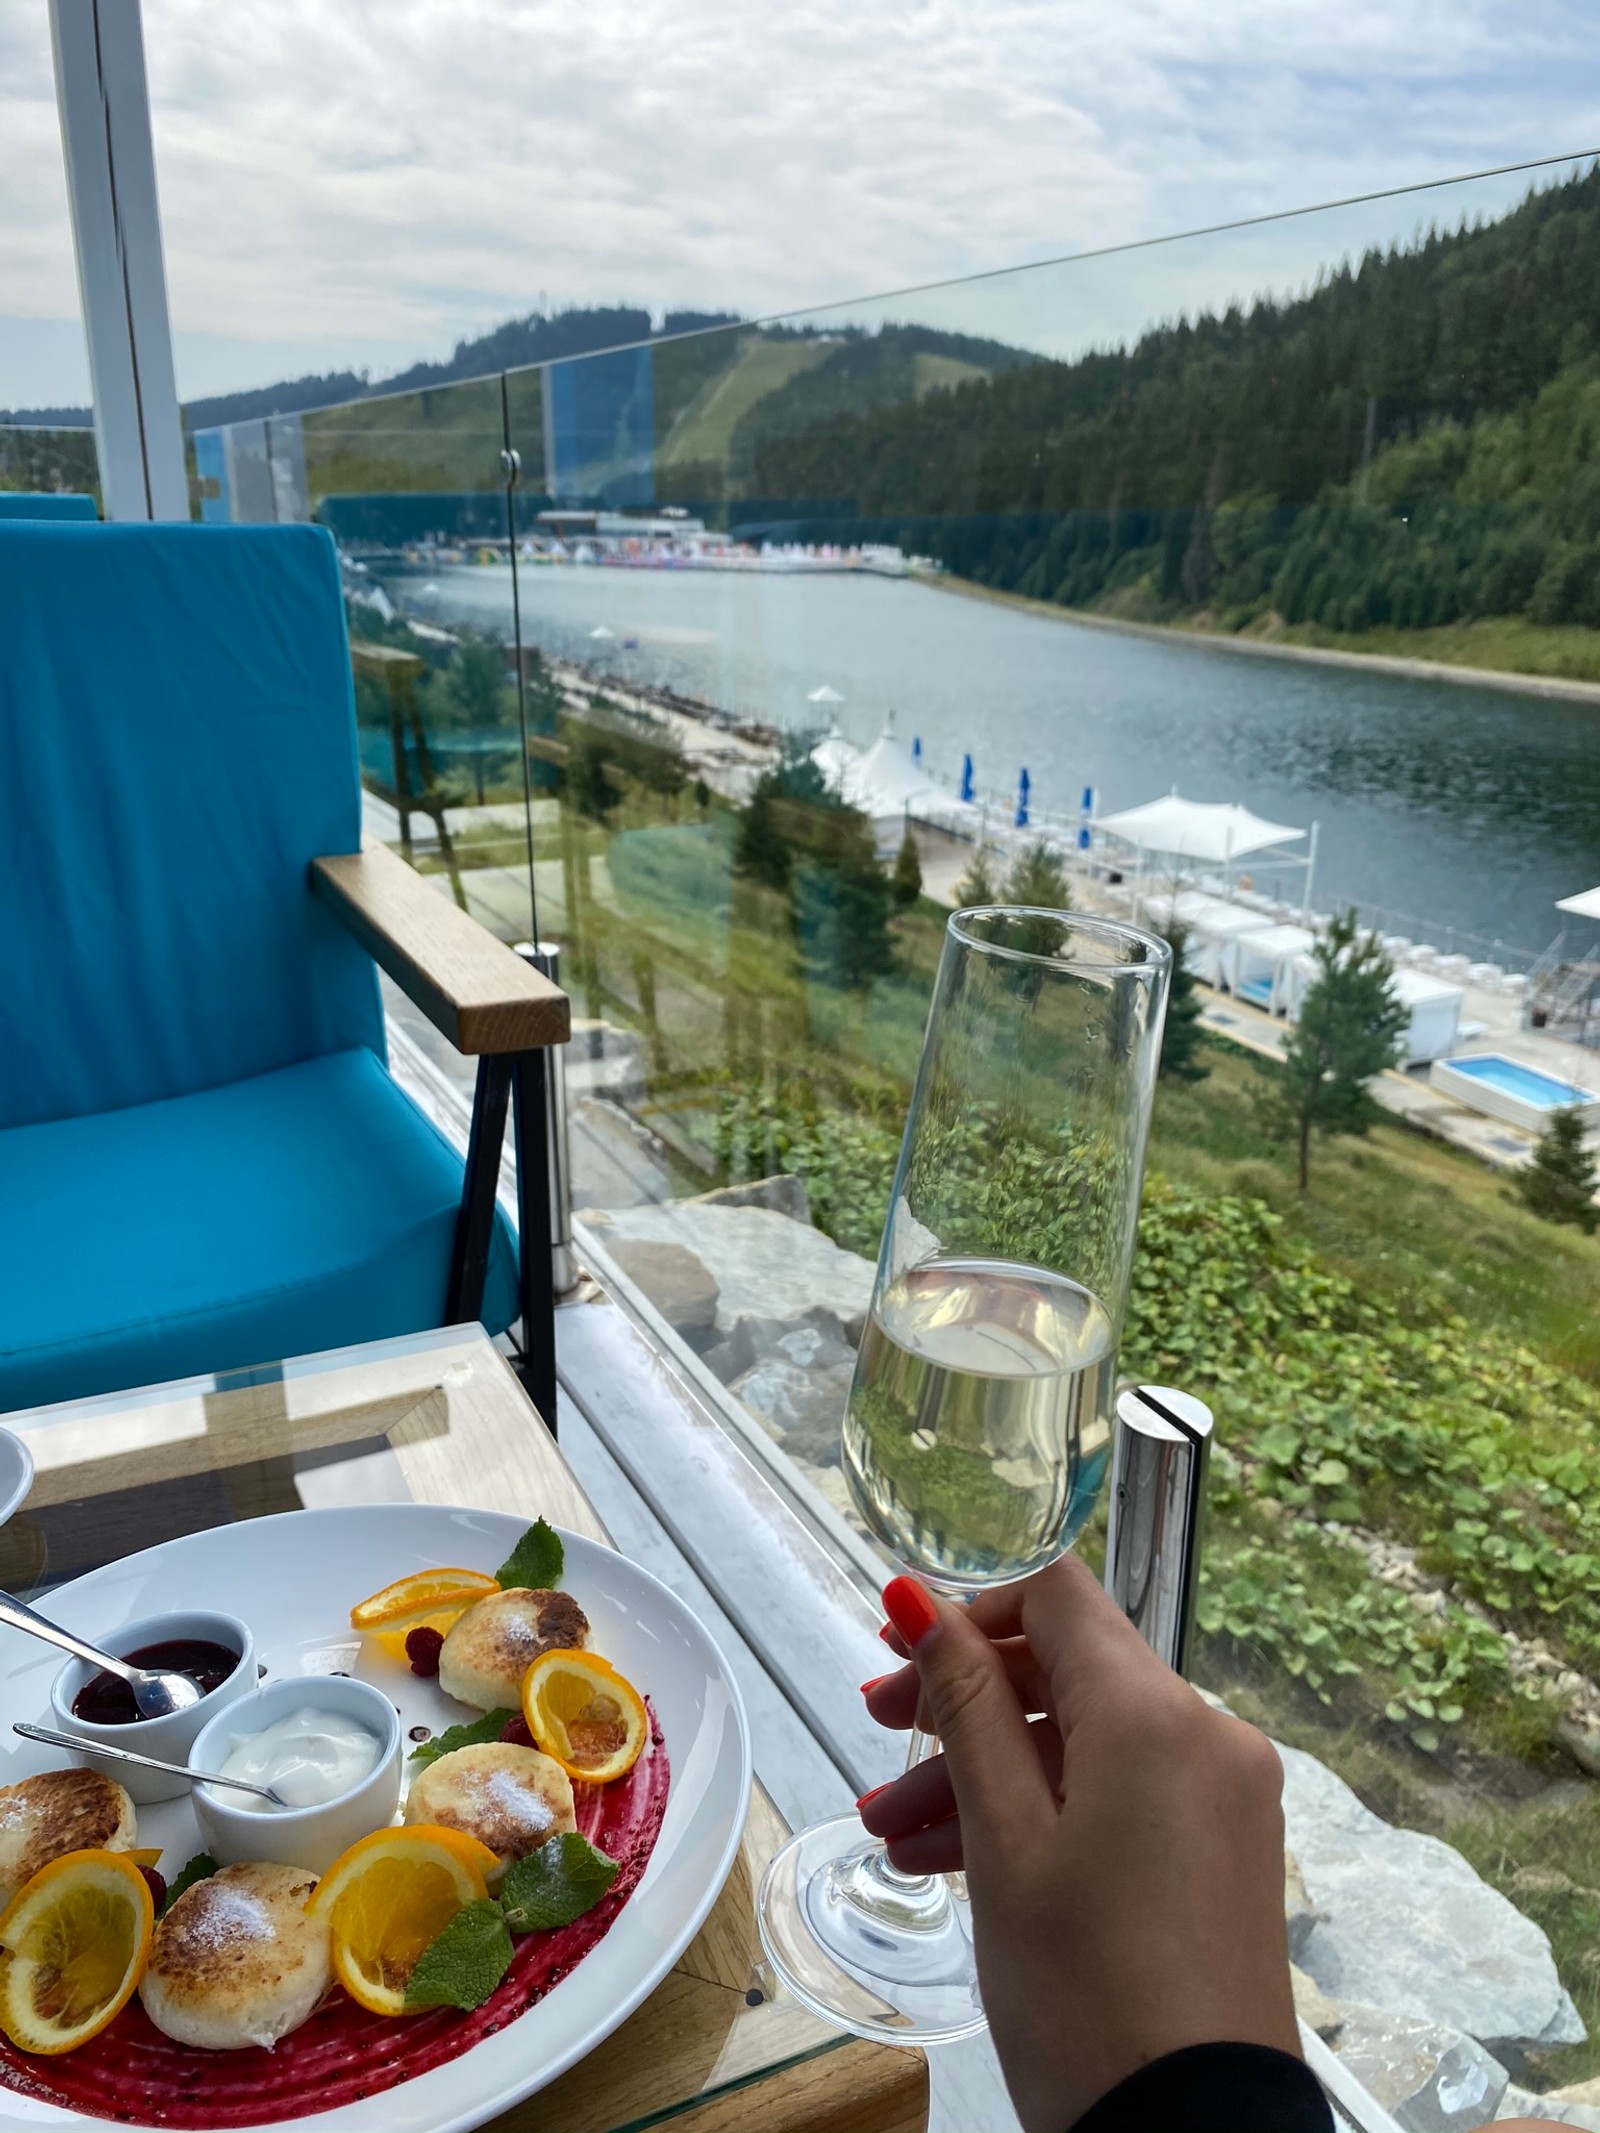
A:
[53,1739]
[156,1695]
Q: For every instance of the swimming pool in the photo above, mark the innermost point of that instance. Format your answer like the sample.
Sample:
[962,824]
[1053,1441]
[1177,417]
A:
[1506,1088]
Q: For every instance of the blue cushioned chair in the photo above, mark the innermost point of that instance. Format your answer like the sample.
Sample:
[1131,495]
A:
[45,503]
[203,1161]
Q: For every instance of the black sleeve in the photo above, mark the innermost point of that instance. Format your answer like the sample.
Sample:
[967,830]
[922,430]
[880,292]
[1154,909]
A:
[1214,2088]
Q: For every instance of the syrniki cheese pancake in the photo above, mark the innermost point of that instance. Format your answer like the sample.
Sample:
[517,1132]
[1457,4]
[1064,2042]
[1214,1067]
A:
[511,1798]
[495,1642]
[56,1812]
[236,1960]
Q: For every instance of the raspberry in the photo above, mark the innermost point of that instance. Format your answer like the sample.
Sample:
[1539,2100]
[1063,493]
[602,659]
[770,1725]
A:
[515,1732]
[157,1885]
[423,1647]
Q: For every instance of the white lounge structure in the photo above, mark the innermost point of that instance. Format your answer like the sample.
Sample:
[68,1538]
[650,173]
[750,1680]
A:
[1256,964]
[1210,923]
[1433,1006]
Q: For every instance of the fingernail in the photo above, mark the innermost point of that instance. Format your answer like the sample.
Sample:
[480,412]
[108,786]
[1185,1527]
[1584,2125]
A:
[872,1795]
[910,1608]
[868,1686]
[888,1630]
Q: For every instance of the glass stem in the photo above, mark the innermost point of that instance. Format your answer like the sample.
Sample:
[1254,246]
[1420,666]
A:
[920,1746]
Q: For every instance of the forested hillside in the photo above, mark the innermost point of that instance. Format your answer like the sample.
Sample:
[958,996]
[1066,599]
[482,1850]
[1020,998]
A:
[1413,443]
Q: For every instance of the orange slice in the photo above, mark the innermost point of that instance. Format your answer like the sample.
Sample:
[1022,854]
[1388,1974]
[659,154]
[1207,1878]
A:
[409,1601]
[388,1897]
[73,1944]
[393,1641]
[584,1713]
[150,1856]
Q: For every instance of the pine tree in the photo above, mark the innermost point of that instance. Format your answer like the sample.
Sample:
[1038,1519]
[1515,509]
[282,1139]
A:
[977,885]
[1561,1180]
[1181,1037]
[1349,1029]
[907,879]
[1038,877]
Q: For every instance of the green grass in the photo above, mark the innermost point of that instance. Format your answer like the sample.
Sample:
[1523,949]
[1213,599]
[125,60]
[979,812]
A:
[704,428]
[1505,643]
[1396,1211]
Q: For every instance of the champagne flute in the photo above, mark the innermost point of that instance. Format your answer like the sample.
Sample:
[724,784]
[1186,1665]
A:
[978,1429]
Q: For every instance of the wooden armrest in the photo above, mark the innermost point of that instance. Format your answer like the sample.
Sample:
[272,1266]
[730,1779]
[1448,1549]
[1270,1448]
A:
[473,988]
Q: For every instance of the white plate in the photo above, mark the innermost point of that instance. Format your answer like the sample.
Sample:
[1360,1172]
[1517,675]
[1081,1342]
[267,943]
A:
[16,1473]
[293,1579]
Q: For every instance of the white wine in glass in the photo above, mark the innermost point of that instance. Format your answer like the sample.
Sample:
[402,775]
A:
[978,1428]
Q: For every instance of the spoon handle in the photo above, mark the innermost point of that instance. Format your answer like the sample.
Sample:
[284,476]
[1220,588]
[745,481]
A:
[53,1739]
[15,1616]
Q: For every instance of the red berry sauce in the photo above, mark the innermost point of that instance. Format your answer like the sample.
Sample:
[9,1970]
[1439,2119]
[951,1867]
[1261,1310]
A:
[131,2073]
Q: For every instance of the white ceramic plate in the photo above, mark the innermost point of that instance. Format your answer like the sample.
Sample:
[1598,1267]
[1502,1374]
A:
[293,1579]
[16,1473]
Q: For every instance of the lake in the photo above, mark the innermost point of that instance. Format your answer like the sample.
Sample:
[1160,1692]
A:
[1446,804]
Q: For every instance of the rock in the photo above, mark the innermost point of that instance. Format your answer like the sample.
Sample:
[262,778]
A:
[798,1392]
[767,1268]
[675,1281]
[602,1060]
[1404,1924]
[1558,2108]
[1431,2078]
[784,1194]
[1582,1743]
[1314,2007]
[1298,1909]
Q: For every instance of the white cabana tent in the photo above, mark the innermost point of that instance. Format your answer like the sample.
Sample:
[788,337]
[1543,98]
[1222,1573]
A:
[1585,906]
[886,784]
[1434,1006]
[834,756]
[1210,922]
[1256,965]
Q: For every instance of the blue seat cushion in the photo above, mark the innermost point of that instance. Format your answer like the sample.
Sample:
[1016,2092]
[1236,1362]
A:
[303,1209]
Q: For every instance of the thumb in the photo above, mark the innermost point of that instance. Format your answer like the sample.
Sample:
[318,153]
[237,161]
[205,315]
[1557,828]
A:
[999,1784]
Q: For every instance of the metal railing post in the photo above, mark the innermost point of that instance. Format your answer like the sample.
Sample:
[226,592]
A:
[1159,1460]
[545,956]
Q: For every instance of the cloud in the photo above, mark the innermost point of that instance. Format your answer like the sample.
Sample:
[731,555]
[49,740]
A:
[357,181]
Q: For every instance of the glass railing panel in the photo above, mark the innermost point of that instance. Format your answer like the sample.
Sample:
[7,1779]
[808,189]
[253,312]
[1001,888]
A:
[48,462]
[412,487]
[46,423]
[1298,517]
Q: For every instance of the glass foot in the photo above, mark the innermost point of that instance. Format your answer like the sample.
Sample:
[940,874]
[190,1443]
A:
[876,1951]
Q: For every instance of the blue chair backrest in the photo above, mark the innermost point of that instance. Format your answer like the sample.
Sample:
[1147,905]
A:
[177,742]
[26,503]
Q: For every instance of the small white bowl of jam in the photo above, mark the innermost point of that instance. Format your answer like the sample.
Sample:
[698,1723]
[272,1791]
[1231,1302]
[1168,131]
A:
[327,1743]
[216,1651]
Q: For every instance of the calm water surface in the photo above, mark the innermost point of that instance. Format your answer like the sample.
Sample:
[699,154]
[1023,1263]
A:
[1456,805]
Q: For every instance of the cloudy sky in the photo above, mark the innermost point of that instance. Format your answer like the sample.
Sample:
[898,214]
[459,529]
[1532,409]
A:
[362,182]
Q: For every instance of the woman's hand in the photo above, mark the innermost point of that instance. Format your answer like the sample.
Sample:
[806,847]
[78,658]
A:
[1124,1851]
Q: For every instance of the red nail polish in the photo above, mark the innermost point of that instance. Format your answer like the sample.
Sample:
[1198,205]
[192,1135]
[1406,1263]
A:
[872,1795]
[887,1631]
[868,1686]
[910,1608]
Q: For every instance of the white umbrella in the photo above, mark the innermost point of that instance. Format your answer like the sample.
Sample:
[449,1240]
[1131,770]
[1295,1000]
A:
[600,630]
[1586,906]
[824,695]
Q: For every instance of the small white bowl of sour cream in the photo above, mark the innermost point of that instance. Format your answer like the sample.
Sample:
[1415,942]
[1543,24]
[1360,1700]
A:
[322,1739]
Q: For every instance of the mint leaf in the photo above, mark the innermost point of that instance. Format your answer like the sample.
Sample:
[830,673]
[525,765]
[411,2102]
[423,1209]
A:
[472,1733]
[535,1562]
[200,1868]
[463,1966]
[564,1878]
